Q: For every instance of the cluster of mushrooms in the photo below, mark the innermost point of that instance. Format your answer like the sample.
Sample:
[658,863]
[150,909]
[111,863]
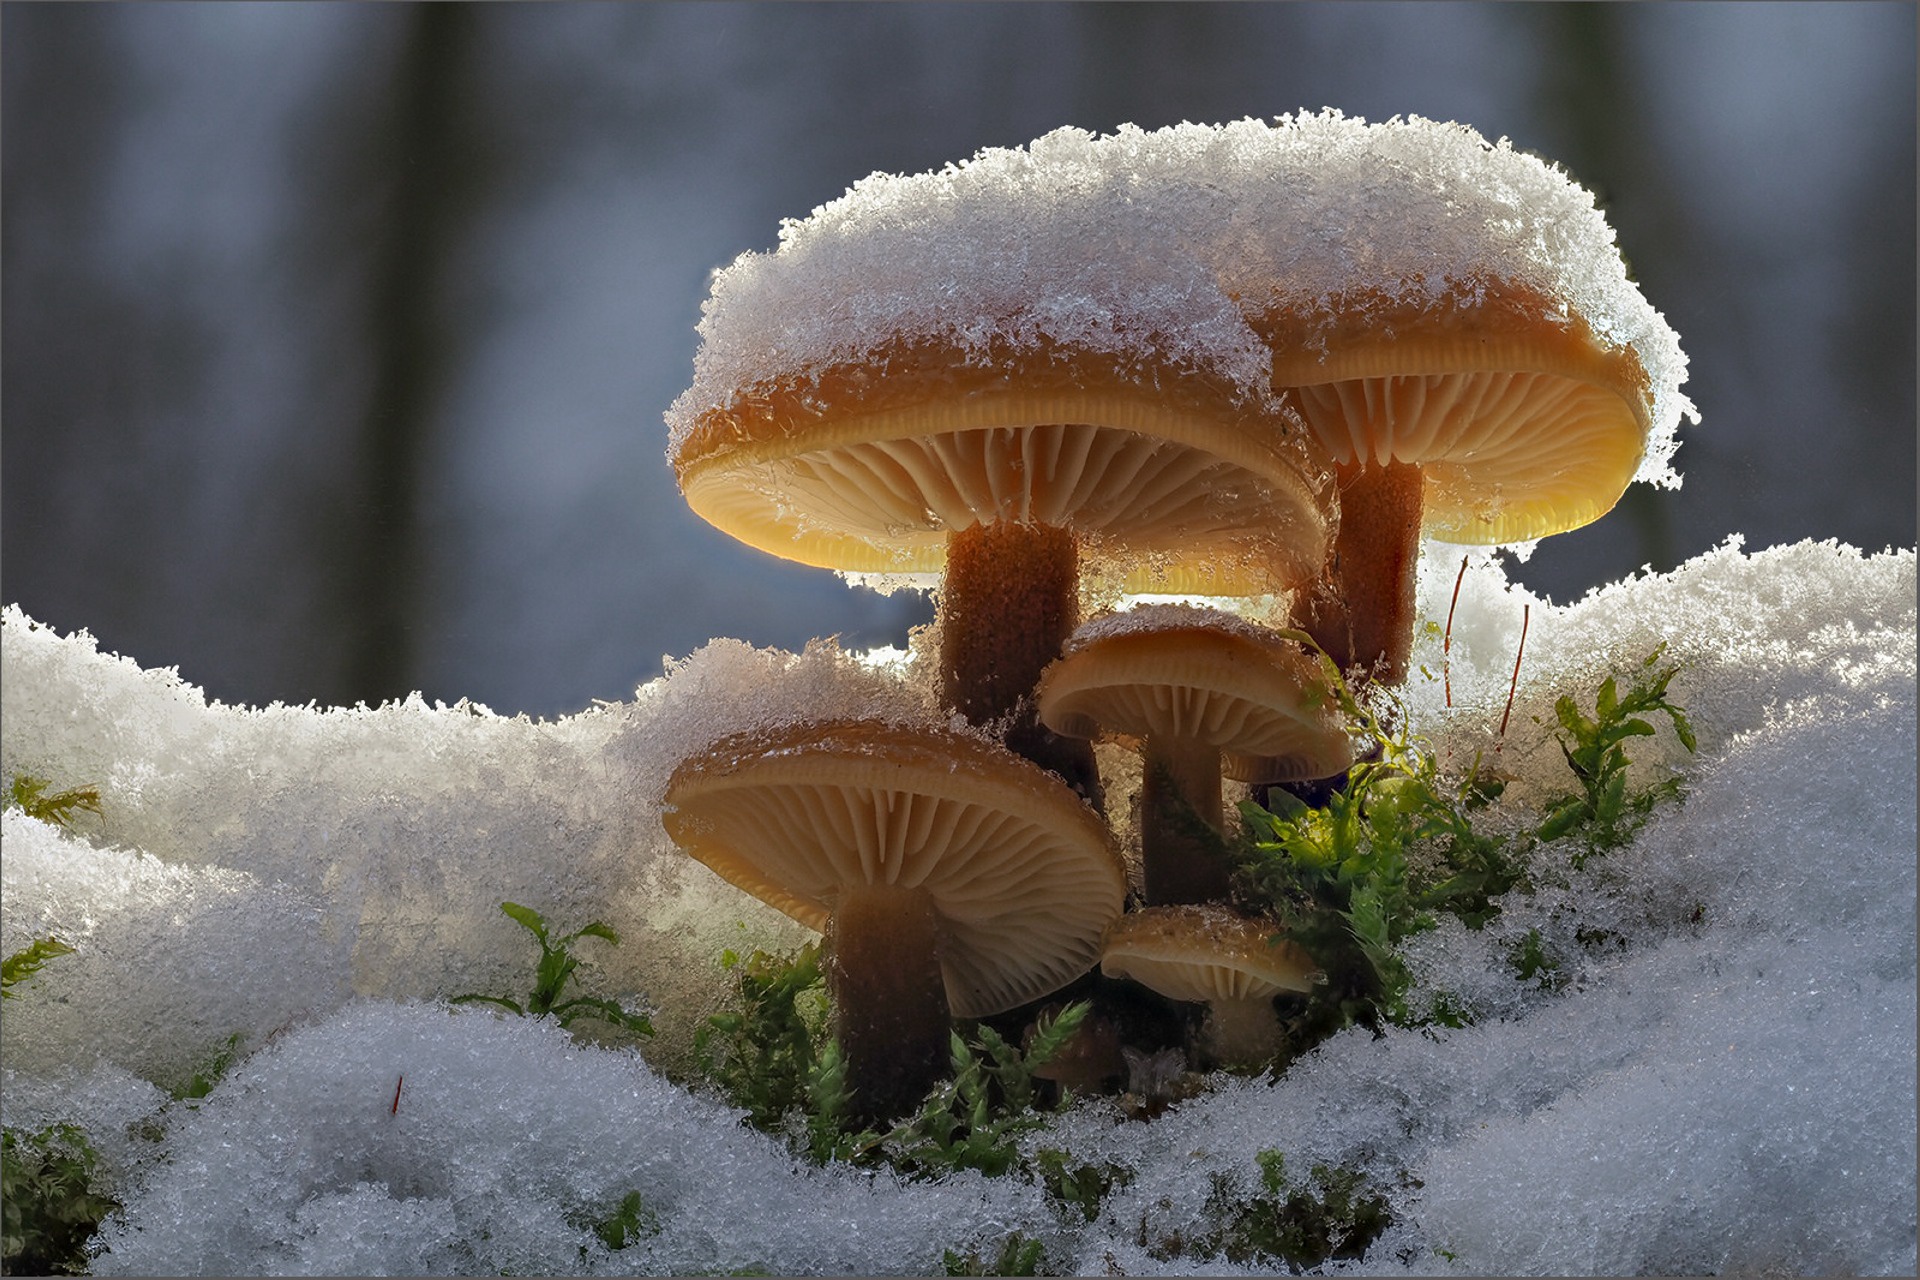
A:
[969,870]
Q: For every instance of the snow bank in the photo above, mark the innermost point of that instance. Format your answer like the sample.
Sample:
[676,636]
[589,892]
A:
[1724,1083]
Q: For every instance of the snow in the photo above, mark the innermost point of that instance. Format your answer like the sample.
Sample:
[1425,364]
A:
[1725,1082]
[1145,244]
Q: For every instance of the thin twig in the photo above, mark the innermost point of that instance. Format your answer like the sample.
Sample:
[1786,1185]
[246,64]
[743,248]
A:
[1525,611]
[1446,641]
[395,1110]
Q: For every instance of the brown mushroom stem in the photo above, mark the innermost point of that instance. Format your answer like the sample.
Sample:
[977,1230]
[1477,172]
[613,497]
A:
[1241,1033]
[1008,602]
[889,999]
[1368,615]
[1178,860]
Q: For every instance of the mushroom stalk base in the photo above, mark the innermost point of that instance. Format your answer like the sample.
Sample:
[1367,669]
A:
[1008,603]
[1241,1033]
[1180,854]
[889,999]
[1368,617]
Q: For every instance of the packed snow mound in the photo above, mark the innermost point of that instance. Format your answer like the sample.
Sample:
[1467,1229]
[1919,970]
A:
[1147,244]
[1720,1079]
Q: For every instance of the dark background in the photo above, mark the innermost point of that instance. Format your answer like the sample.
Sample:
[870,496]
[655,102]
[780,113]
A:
[336,337]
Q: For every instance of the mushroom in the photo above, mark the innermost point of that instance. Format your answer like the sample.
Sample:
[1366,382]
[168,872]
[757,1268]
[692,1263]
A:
[951,877]
[1210,694]
[1488,412]
[1001,472]
[1210,955]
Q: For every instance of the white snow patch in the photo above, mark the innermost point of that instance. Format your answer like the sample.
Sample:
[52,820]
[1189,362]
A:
[1724,1082]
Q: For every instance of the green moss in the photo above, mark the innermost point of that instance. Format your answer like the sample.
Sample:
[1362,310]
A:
[554,970]
[51,1199]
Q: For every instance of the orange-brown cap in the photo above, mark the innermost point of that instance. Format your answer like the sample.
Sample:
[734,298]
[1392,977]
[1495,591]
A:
[867,466]
[1179,672]
[1523,421]
[1023,876]
[1205,954]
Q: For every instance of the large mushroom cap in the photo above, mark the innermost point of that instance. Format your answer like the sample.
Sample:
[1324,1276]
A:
[1522,420]
[1023,876]
[1202,676]
[1205,954]
[869,464]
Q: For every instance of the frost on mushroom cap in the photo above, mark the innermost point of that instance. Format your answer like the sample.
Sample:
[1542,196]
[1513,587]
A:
[1205,953]
[1521,421]
[1203,676]
[1023,875]
[1157,251]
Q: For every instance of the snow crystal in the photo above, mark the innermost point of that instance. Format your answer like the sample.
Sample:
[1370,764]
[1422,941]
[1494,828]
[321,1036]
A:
[406,1139]
[168,958]
[1717,1075]
[1146,244]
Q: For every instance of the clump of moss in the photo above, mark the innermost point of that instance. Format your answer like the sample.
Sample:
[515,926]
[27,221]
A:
[52,1200]
[1335,1213]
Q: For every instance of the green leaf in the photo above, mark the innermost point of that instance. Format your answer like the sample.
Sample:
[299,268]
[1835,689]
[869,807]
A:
[595,930]
[1683,729]
[23,964]
[528,917]
[1570,718]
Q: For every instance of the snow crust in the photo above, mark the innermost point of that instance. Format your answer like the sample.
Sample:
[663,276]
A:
[1725,1082]
[1147,244]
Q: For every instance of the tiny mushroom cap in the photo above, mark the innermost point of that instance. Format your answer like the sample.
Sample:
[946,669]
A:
[950,876]
[1202,675]
[1211,695]
[1213,956]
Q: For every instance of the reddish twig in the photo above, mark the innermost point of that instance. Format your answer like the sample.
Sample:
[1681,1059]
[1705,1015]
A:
[1446,641]
[1514,684]
[395,1110]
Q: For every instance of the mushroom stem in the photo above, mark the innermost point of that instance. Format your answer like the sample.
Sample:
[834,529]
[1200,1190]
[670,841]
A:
[1179,861]
[1242,1032]
[1008,602]
[1368,616]
[889,999]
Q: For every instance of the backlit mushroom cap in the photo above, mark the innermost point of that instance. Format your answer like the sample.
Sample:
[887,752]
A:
[1205,954]
[868,464]
[1203,676]
[1522,420]
[1023,877]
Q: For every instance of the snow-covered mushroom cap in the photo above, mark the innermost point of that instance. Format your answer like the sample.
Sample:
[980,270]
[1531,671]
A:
[1246,254]
[1522,421]
[1205,954]
[1204,676]
[1022,875]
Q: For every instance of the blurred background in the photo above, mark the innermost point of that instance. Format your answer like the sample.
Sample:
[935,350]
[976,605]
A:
[336,338]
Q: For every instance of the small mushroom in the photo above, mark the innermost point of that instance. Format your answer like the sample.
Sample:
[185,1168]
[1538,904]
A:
[1211,955]
[1489,414]
[951,877]
[1211,695]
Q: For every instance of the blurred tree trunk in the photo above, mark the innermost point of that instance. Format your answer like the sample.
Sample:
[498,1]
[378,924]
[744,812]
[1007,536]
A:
[423,152]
